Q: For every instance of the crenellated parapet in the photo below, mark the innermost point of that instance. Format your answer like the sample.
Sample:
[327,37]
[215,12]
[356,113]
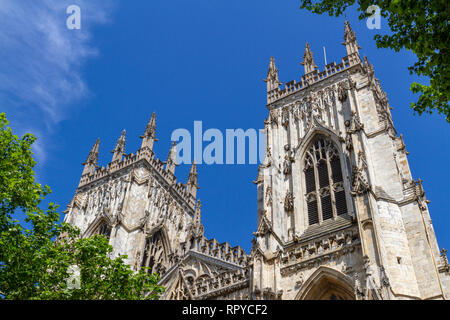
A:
[313,77]
[216,250]
[121,162]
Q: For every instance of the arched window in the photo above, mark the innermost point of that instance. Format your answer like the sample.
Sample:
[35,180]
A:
[325,194]
[155,254]
[104,229]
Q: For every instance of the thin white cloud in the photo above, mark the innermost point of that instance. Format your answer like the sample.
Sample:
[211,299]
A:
[41,59]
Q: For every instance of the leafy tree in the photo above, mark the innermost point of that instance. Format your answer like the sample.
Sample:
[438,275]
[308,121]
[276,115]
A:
[421,26]
[33,265]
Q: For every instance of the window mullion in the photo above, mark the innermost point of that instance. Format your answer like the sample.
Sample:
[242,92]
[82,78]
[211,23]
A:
[318,198]
[148,245]
[330,179]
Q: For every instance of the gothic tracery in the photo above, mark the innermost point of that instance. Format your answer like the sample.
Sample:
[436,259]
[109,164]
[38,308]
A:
[325,194]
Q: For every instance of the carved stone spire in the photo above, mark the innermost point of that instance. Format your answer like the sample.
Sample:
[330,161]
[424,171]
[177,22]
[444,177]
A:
[149,136]
[350,39]
[91,163]
[119,150]
[198,213]
[308,60]
[368,66]
[192,183]
[195,228]
[172,158]
[272,76]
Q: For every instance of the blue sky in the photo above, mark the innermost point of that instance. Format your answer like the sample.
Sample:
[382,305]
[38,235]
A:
[185,60]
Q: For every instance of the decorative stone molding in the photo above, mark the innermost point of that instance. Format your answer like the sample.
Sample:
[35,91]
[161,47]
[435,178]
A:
[319,251]
[222,284]
[401,145]
[285,116]
[273,117]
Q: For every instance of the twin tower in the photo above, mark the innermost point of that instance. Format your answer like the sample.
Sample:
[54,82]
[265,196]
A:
[339,213]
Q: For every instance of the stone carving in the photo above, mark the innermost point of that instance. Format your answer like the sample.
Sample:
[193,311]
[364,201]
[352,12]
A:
[419,194]
[354,124]
[119,150]
[444,256]
[359,291]
[268,196]
[268,152]
[308,60]
[359,182]
[316,110]
[285,116]
[319,251]
[362,159]
[384,278]
[401,145]
[264,226]
[348,142]
[273,117]
[367,266]
[289,202]
[259,177]
[137,261]
[342,92]
[296,111]
[288,159]
[445,266]
[272,76]
[300,280]
[346,268]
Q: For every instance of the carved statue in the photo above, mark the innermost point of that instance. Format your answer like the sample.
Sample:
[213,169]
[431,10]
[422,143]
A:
[289,202]
[342,92]
[288,159]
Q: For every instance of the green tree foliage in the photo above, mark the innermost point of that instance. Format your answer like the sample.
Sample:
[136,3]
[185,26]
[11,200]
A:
[421,26]
[33,265]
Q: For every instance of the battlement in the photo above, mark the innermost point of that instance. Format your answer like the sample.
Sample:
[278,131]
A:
[313,77]
[222,251]
[120,161]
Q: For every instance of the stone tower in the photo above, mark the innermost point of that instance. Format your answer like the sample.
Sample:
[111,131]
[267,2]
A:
[339,213]
[137,203]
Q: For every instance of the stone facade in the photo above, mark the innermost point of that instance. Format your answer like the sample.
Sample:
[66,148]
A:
[339,214]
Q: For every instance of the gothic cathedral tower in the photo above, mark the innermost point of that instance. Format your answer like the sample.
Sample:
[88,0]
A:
[339,213]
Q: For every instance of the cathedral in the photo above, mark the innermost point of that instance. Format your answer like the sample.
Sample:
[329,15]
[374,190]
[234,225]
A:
[339,215]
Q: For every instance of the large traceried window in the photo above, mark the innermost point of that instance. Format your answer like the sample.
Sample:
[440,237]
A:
[325,193]
[154,254]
